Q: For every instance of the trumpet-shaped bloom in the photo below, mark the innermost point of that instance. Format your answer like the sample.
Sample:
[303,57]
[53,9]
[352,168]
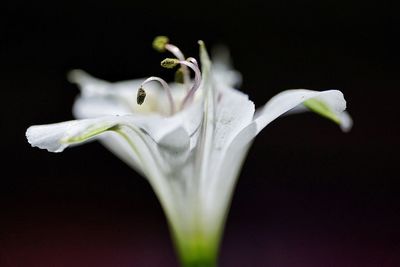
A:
[189,140]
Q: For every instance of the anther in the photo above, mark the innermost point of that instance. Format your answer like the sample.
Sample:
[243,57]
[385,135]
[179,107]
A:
[179,76]
[169,63]
[160,43]
[141,95]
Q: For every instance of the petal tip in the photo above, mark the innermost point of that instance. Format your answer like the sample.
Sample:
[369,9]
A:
[77,76]
[36,138]
[346,122]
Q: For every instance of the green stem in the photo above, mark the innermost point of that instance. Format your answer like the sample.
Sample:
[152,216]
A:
[197,250]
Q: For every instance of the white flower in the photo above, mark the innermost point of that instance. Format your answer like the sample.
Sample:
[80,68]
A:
[188,141]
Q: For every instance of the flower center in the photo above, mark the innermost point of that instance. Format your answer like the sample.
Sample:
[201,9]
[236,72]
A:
[182,75]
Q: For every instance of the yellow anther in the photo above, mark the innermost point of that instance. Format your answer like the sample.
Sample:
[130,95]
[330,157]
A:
[160,42]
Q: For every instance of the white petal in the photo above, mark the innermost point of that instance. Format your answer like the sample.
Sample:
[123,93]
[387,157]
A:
[77,131]
[290,99]
[223,72]
[226,113]
[234,113]
[91,86]
[92,107]
[346,122]
[220,192]
[118,146]
[101,98]
[56,137]
[234,152]
[49,136]
[207,87]
[167,138]
[154,160]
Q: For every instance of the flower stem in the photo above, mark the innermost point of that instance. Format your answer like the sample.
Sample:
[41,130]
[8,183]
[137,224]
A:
[197,252]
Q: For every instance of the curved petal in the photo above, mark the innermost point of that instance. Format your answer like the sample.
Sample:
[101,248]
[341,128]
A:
[235,150]
[58,136]
[290,99]
[170,137]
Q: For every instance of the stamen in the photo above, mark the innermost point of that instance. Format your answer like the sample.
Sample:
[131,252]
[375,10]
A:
[179,55]
[164,84]
[161,44]
[197,80]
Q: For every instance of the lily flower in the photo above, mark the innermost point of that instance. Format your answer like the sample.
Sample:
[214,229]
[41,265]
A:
[188,139]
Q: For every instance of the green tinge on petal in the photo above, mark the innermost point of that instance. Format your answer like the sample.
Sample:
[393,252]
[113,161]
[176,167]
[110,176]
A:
[322,109]
[86,134]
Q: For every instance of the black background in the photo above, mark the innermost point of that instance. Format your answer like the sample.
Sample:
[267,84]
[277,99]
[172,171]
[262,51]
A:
[308,195]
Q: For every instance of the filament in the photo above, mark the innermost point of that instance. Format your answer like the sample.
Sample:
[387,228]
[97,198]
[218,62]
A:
[164,84]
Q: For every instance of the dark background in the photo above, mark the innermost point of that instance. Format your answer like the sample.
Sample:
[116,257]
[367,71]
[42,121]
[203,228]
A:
[308,194]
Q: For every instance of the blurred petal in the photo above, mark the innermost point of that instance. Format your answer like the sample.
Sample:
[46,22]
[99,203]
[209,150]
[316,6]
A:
[92,86]
[92,107]
[102,98]
[346,122]
[223,72]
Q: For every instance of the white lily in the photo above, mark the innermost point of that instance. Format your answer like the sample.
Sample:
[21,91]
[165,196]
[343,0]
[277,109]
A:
[188,140]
